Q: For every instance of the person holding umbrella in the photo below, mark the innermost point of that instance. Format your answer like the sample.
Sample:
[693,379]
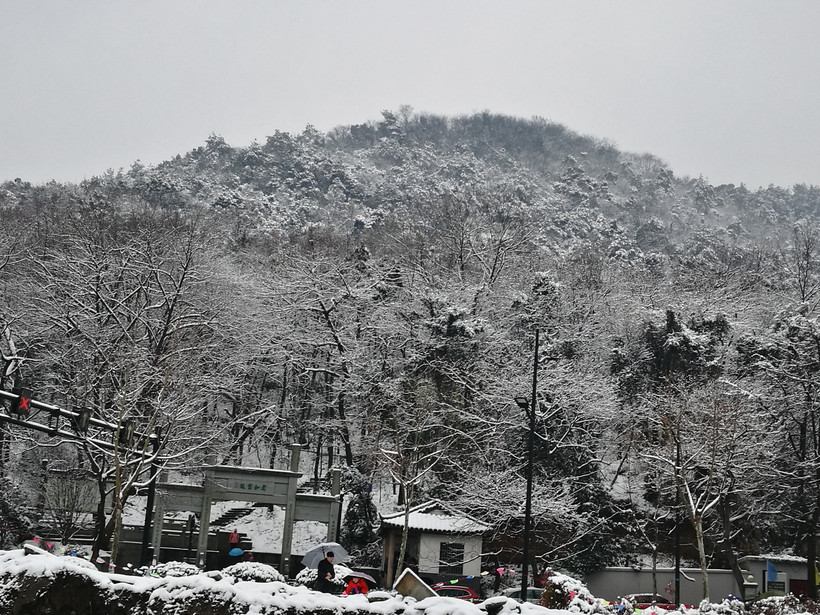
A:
[356,585]
[234,549]
[324,579]
[233,539]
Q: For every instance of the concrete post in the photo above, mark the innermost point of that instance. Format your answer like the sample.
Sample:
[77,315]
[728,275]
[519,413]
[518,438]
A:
[205,520]
[333,521]
[290,511]
[159,519]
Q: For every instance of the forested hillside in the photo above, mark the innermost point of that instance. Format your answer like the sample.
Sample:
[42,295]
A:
[373,293]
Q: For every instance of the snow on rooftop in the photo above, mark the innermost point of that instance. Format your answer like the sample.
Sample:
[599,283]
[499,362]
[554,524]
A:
[435,516]
[774,557]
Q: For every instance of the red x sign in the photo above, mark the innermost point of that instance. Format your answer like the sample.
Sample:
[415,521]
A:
[21,405]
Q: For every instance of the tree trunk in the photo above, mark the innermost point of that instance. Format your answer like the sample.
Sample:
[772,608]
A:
[100,540]
[4,448]
[404,532]
[345,430]
[116,518]
[701,554]
[726,546]
[317,460]
[654,569]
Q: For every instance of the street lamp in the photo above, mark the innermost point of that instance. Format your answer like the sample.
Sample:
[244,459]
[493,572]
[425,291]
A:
[529,406]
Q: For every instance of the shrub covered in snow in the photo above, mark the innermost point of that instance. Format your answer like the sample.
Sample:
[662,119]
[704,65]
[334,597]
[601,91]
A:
[15,520]
[307,576]
[78,561]
[46,584]
[173,569]
[729,606]
[253,571]
[564,592]
[782,605]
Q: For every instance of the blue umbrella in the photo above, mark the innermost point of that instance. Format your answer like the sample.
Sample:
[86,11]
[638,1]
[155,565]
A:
[235,551]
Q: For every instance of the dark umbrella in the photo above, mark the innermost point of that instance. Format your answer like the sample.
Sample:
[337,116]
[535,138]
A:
[316,554]
[361,575]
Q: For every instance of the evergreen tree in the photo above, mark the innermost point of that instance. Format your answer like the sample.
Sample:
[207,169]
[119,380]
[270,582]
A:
[15,515]
[357,533]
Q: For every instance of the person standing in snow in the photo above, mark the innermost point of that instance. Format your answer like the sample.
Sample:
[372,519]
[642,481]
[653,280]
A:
[324,578]
[233,539]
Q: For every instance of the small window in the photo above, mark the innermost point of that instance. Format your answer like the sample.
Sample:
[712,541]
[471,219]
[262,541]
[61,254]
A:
[451,558]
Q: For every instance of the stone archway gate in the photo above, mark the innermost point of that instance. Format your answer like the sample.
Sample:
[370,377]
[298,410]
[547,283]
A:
[229,483]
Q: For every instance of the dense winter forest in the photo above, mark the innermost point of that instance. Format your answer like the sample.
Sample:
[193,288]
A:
[373,295]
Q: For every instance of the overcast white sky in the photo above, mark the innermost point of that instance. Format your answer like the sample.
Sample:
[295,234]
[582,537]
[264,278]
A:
[727,89]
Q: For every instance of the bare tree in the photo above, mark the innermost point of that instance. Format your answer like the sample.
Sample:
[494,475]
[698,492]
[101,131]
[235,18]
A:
[802,260]
[69,499]
[709,438]
[787,356]
[129,331]
[414,441]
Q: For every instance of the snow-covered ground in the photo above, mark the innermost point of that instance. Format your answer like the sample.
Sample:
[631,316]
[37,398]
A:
[16,567]
[30,579]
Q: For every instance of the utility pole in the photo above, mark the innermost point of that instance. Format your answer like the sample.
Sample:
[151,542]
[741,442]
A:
[529,406]
[677,526]
[145,551]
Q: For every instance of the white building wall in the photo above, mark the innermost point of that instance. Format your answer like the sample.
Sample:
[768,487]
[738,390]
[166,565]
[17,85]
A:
[428,552]
[789,570]
[430,548]
[472,555]
[611,583]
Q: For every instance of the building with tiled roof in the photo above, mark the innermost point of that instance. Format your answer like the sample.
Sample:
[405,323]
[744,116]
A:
[442,542]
